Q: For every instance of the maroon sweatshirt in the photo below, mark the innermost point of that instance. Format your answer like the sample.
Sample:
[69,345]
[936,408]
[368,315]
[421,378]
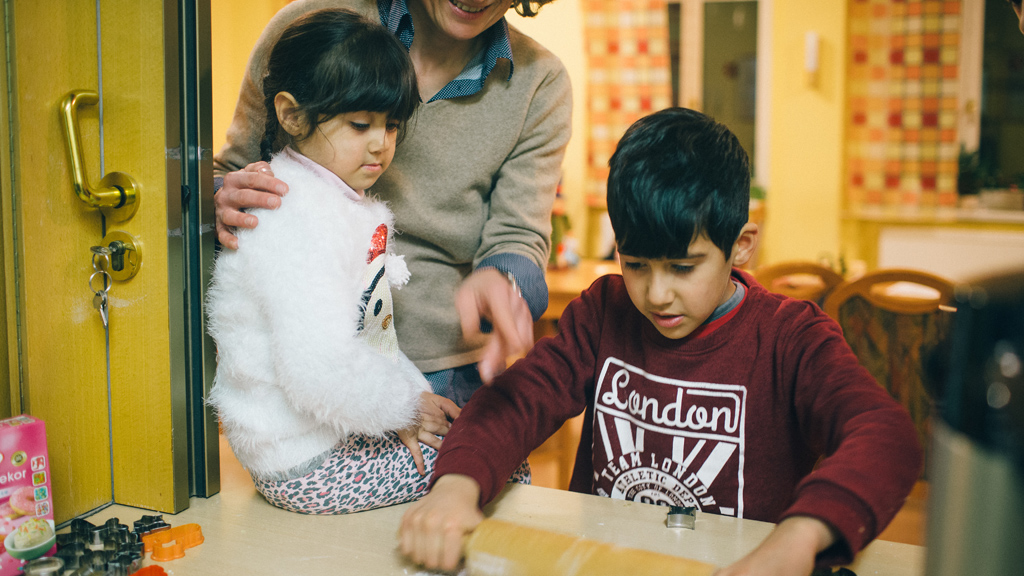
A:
[732,421]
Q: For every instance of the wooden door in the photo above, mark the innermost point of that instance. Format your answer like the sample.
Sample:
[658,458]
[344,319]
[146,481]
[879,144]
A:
[121,437]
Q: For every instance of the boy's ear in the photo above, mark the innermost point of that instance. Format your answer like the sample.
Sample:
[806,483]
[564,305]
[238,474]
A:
[289,116]
[746,243]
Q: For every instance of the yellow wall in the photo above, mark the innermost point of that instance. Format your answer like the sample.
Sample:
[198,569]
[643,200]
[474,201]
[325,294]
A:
[559,28]
[804,201]
[236,25]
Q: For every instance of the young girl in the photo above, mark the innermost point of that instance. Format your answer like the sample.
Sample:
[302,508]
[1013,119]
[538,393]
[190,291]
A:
[312,391]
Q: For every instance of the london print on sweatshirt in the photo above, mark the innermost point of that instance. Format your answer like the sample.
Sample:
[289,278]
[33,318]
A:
[668,441]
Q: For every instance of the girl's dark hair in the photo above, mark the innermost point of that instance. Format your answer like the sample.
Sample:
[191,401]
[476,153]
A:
[333,62]
[675,175]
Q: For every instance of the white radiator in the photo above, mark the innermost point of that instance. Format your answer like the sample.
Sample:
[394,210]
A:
[958,255]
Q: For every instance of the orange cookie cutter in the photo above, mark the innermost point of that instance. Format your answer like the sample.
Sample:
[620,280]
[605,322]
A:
[171,544]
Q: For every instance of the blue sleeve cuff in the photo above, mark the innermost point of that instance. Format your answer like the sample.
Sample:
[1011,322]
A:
[529,277]
[218,183]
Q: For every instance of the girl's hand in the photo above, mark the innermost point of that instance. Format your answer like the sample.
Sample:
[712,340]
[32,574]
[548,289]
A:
[436,415]
[432,529]
[487,294]
[251,187]
[433,421]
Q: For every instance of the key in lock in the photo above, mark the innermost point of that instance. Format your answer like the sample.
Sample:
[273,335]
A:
[120,255]
[115,254]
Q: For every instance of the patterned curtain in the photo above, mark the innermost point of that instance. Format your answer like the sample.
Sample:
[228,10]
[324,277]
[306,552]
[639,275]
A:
[628,62]
[902,81]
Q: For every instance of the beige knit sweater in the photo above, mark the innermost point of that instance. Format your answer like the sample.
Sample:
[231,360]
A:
[474,177]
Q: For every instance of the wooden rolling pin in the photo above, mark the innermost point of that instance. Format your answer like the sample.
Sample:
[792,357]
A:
[499,548]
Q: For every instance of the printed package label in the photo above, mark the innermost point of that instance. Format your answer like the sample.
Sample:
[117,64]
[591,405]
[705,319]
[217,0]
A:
[26,494]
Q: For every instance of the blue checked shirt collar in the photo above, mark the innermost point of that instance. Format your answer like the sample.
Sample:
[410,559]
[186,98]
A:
[394,14]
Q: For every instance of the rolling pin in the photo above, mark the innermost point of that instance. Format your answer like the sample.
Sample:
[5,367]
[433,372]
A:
[498,548]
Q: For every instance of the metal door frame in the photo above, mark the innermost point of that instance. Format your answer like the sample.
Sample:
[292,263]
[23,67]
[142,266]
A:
[192,236]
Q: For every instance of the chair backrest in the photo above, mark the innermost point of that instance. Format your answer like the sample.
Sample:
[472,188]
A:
[895,320]
[801,280]
[897,290]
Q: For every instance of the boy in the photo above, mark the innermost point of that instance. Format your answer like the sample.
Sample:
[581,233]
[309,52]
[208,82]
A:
[700,387]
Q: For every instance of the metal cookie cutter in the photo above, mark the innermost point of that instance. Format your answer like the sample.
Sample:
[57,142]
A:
[45,566]
[682,517]
[105,549]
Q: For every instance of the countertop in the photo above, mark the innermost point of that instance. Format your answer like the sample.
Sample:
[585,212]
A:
[246,535]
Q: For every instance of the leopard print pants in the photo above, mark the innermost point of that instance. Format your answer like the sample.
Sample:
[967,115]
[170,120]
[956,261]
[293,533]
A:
[361,473]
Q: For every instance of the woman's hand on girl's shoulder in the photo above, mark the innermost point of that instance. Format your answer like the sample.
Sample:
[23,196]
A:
[251,187]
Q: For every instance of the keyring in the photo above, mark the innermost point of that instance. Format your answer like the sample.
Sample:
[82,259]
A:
[106,283]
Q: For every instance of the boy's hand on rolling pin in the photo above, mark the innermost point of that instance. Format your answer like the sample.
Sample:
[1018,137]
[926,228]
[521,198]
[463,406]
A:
[488,294]
[433,528]
[251,187]
[789,549]
[433,421]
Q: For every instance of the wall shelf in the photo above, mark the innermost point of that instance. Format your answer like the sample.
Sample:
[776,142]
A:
[938,216]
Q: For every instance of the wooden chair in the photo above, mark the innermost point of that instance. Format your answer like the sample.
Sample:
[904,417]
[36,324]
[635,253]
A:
[801,280]
[895,320]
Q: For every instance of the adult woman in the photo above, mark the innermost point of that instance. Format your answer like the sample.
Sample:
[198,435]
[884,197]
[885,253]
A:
[471,185]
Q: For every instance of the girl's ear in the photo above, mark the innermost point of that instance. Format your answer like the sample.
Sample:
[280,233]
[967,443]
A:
[745,244]
[289,116]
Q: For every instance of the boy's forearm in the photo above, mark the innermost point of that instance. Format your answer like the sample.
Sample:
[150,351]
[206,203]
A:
[457,486]
[790,548]
[505,421]
[474,465]
[873,455]
[812,531]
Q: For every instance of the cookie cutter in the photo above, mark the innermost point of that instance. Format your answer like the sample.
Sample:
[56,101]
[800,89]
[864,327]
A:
[45,566]
[170,544]
[149,524]
[109,548]
[681,517]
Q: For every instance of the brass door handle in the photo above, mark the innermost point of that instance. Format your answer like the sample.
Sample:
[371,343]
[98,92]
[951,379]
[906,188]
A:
[117,194]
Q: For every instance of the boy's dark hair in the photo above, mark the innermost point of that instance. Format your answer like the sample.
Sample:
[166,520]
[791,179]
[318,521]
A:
[333,62]
[676,174]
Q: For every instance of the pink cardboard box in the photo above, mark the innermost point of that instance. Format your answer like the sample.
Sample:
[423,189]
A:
[25,492]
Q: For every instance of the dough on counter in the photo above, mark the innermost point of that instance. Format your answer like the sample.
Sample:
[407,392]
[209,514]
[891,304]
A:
[498,548]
